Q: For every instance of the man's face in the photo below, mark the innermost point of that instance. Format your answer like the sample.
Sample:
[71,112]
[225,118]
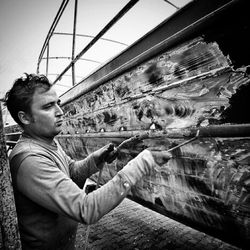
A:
[46,114]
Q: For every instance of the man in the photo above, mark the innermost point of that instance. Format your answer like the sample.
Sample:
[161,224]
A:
[47,182]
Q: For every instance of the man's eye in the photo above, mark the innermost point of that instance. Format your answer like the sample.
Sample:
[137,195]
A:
[48,106]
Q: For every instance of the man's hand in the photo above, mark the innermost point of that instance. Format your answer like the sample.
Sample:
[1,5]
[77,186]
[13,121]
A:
[111,156]
[105,154]
[144,164]
[161,157]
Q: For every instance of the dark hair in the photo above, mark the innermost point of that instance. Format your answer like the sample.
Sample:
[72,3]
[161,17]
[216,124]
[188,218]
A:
[19,97]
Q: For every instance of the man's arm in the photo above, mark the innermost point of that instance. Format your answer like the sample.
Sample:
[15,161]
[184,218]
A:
[83,169]
[54,190]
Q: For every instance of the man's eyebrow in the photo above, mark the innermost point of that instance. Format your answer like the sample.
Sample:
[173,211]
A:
[47,104]
[52,102]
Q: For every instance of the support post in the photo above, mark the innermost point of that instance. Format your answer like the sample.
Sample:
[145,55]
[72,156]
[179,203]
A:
[9,234]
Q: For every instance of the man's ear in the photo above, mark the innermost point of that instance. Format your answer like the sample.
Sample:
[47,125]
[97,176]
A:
[24,118]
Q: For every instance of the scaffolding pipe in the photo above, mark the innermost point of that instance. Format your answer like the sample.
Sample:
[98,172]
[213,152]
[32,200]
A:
[172,4]
[47,60]
[89,36]
[69,58]
[100,34]
[52,28]
[73,42]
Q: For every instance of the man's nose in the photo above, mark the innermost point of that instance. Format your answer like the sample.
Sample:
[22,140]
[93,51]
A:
[59,111]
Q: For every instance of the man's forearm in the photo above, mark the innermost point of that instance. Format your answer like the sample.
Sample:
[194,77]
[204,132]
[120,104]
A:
[83,169]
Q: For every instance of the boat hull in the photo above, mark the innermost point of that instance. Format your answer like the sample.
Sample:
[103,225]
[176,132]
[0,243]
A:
[195,78]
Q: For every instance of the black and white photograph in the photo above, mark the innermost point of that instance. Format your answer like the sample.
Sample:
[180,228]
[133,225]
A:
[124,125]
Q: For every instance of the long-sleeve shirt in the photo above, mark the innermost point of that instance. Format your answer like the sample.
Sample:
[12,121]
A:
[49,197]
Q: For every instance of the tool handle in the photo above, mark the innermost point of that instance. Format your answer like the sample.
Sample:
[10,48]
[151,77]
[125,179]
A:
[186,142]
[181,144]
